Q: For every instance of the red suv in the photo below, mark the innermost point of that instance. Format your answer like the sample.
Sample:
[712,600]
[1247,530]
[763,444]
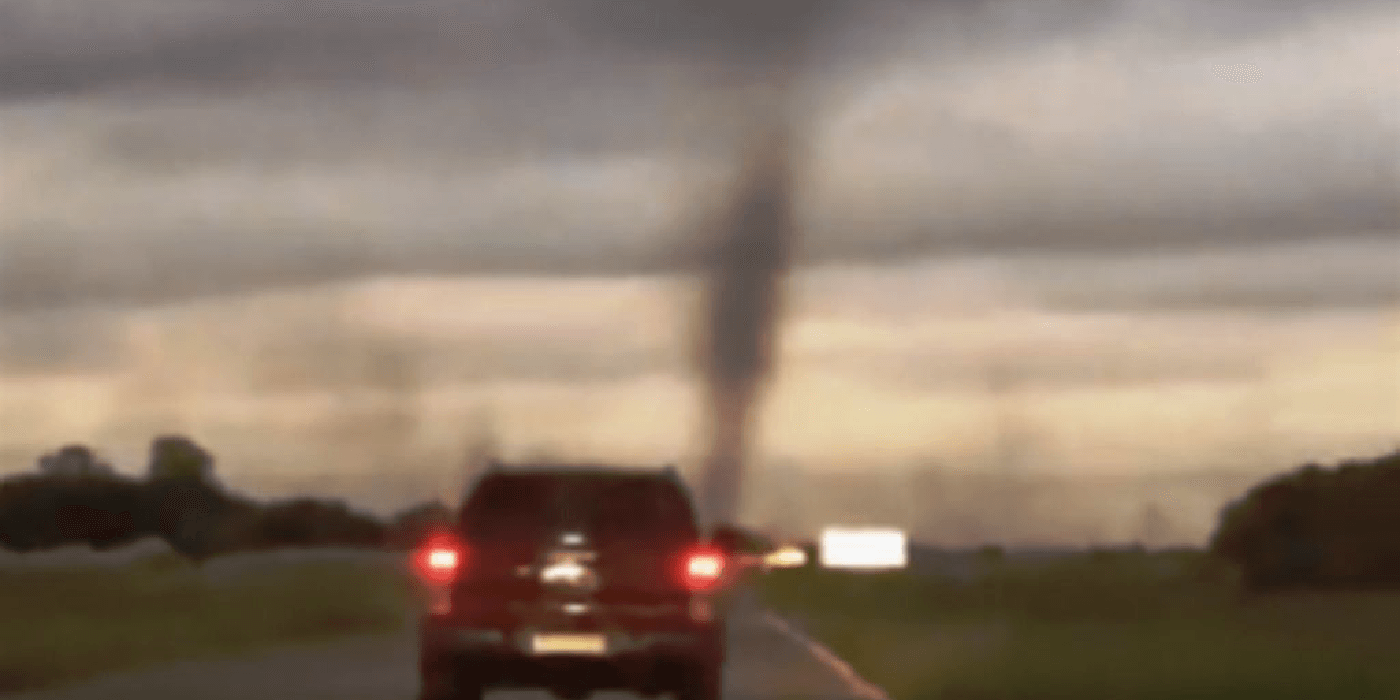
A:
[574,579]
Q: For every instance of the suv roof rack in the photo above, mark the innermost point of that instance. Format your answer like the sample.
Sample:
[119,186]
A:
[670,469]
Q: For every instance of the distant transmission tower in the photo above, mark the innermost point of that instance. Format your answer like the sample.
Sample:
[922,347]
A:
[1011,439]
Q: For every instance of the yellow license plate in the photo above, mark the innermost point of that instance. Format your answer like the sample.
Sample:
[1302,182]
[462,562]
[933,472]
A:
[583,644]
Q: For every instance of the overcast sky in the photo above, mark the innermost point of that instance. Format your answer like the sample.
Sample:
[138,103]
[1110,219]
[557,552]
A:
[231,214]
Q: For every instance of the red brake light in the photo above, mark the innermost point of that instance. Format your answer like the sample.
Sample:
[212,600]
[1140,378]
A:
[440,558]
[703,569]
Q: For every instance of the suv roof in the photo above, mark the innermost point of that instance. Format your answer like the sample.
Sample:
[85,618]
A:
[594,468]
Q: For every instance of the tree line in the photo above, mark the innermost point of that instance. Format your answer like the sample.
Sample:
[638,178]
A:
[1314,527]
[75,498]
[1317,528]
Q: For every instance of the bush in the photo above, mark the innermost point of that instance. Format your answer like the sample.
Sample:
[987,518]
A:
[45,511]
[1317,528]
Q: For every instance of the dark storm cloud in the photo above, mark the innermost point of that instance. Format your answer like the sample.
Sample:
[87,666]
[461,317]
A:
[431,132]
[1314,179]
[1299,197]
[57,47]
[167,134]
[38,277]
[1316,276]
[1210,21]
[74,46]
[67,341]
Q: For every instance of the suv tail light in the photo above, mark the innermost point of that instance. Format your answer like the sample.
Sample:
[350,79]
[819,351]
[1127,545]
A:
[440,558]
[704,568]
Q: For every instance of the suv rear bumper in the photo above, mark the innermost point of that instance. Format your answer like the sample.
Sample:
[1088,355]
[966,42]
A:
[444,635]
[503,658]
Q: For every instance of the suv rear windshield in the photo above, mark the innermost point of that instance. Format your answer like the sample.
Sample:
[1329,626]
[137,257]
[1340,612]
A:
[609,507]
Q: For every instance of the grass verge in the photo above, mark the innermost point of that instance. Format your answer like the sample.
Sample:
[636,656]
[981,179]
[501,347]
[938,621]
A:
[64,625]
[1142,626]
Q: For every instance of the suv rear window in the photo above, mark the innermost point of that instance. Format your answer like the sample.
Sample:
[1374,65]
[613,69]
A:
[609,507]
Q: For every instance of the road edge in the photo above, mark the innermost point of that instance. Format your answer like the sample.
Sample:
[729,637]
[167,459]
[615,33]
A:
[858,686]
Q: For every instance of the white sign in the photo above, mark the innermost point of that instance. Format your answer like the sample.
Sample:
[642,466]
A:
[864,548]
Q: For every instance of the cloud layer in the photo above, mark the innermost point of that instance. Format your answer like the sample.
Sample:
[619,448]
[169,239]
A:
[327,237]
[160,150]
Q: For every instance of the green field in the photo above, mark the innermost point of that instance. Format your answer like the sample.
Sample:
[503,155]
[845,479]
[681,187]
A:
[1096,627]
[64,625]
[1087,628]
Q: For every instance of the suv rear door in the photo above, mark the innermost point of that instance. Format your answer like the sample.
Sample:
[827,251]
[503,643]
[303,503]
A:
[640,526]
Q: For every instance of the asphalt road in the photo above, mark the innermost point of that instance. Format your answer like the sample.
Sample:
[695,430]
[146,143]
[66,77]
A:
[766,663]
